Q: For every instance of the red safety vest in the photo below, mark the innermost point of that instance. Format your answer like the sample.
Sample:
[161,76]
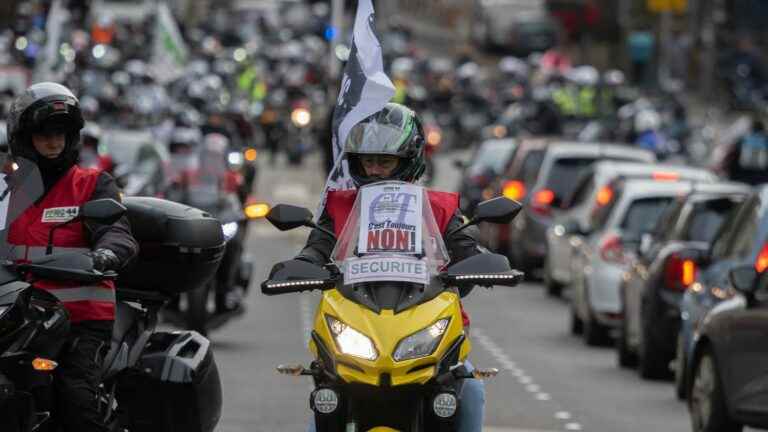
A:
[444,205]
[29,234]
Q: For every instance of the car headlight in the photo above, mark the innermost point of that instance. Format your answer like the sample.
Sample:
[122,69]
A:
[421,343]
[4,309]
[229,230]
[351,341]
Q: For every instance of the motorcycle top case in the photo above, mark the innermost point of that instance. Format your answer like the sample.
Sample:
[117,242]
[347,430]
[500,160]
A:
[175,386]
[180,247]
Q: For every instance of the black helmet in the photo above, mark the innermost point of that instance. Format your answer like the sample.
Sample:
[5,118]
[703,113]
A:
[40,104]
[394,131]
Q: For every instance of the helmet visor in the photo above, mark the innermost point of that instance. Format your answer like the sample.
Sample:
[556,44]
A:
[377,138]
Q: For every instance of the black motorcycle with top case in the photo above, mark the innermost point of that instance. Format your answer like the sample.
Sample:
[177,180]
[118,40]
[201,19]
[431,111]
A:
[151,380]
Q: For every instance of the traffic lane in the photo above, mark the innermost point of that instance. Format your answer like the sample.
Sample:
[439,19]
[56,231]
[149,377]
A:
[586,388]
[247,351]
[273,329]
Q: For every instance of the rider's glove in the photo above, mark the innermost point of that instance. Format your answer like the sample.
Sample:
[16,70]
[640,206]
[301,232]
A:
[104,260]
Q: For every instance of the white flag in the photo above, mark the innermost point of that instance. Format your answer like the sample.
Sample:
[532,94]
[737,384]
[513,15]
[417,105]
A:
[54,24]
[365,90]
[169,52]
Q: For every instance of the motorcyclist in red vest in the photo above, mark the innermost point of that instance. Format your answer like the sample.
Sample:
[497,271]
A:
[389,145]
[44,127]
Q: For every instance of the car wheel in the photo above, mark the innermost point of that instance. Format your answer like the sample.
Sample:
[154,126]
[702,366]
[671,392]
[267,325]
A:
[680,362]
[554,288]
[595,334]
[577,326]
[624,356]
[706,404]
[651,363]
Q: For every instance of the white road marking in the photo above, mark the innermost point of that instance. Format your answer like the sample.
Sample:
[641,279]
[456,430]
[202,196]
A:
[510,366]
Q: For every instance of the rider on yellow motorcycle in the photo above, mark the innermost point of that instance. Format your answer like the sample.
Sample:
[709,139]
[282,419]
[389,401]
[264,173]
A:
[389,145]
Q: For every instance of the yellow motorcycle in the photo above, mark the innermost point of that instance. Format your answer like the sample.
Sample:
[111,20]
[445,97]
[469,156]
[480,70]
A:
[388,339]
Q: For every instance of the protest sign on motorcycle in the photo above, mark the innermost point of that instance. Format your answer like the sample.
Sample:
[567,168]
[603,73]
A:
[391,235]
[391,215]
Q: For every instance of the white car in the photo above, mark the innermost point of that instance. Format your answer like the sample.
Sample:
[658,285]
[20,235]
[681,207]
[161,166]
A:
[592,189]
[601,258]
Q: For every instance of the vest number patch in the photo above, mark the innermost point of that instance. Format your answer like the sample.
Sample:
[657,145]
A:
[60,214]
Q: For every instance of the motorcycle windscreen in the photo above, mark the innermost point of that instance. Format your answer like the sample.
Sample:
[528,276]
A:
[21,185]
[390,236]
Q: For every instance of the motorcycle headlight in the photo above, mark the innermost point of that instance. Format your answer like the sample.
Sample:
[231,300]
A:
[235,159]
[229,230]
[421,343]
[351,341]
[301,117]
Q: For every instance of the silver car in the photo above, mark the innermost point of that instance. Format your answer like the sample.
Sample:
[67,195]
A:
[592,190]
[601,259]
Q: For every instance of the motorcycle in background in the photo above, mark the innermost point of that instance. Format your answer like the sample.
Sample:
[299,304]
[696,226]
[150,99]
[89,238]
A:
[204,178]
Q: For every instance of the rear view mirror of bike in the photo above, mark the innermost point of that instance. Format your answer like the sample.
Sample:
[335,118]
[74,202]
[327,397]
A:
[744,279]
[297,276]
[483,269]
[287,217]
[499,210]
[106,210]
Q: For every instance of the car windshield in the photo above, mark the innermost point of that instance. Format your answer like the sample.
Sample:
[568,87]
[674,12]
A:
[564,174]
[643,214]
[492,156]
[706,219]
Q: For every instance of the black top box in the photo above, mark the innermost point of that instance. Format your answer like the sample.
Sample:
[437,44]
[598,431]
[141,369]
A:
[180,246]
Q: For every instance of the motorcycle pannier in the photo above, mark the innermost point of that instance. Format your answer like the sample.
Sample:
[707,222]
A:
[175,388]
[180,246]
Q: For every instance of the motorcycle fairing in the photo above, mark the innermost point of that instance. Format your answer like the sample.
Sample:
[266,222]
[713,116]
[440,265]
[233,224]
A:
[386,329]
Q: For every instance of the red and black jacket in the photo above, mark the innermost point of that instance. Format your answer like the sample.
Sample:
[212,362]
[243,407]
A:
[29,236]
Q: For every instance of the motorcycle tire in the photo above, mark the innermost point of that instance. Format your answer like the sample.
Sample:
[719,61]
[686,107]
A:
[197,308]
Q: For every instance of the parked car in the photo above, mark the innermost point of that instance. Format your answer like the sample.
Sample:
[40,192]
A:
[516,178]
[562,163]
[591,191]
[487,162]
[653,287]
[603,256]
[730,358]
[741,241]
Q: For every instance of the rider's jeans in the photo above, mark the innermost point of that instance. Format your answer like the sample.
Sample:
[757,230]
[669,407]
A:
[470,415]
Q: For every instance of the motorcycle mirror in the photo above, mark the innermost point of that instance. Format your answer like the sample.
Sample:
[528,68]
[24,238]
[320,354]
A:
[287,217]
[499,210]
[105,210]
[485,269]
[744,279]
